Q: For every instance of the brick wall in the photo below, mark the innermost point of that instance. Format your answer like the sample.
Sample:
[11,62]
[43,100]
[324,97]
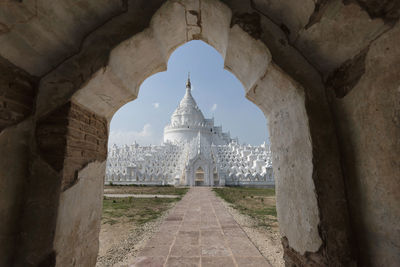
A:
[17,92]
[71,137]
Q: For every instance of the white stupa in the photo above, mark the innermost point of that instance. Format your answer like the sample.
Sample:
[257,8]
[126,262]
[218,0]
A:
[195,152]
[188,120]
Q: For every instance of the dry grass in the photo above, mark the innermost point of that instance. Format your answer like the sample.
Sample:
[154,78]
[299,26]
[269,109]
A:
[258,203]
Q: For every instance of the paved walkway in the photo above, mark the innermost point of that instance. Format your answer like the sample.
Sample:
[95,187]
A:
[199,231]
[140,196]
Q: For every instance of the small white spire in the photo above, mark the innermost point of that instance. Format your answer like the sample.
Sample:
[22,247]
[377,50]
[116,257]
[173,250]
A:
[188,84]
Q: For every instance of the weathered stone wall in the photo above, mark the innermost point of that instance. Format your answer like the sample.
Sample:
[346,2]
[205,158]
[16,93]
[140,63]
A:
[310,259]
[45,33]
[367,114]
[311,232]
[17,92]
[249,66]
[334,228]
[351,42]
[77,229]
[69,139]
[66,141]
[57,86]
[14,162]
[331,39]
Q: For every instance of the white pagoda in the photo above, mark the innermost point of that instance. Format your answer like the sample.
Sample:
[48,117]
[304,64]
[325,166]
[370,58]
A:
[194,153]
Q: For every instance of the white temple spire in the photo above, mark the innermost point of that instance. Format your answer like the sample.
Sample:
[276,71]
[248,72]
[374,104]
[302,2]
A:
[188,84]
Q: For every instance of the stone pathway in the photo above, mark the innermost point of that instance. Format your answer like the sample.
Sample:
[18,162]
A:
[140,196]
[199,231]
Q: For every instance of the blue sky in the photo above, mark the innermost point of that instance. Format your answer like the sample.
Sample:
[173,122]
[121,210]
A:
[217,92]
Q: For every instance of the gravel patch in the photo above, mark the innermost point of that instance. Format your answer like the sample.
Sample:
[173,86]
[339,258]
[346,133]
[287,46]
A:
[125,250]
[268,242]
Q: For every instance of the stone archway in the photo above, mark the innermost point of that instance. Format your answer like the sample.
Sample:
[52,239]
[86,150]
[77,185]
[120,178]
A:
[280,98]
[303,155]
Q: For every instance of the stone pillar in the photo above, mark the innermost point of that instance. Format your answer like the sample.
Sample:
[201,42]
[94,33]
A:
[17,92]
[308,177]
[365,97]
[61,220]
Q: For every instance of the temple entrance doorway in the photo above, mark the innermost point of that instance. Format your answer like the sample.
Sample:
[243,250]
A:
[199,177]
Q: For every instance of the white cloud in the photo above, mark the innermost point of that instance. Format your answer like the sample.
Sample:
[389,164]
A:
[214,107]
[156,105]
[144,137]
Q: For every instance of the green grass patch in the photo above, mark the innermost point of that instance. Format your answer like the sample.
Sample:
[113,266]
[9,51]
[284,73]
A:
[157,190]
[258,203]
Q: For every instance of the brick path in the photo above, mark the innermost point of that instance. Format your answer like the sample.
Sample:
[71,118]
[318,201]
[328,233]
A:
[199,231]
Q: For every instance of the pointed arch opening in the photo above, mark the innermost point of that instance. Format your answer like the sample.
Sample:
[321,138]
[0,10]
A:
[279,97]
